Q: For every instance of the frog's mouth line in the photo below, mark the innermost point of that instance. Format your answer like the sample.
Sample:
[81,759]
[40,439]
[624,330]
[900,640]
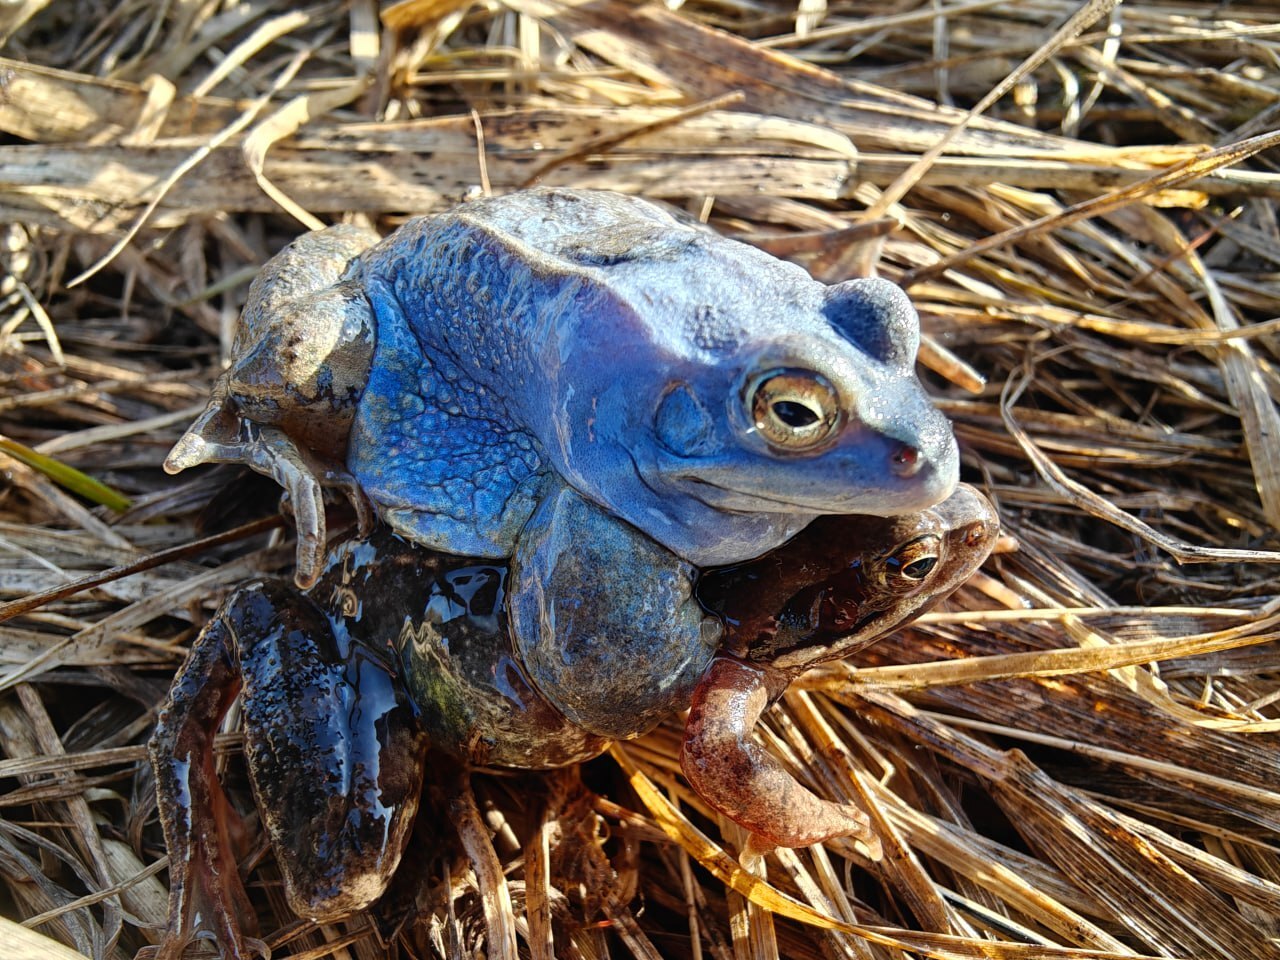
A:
[876,624]
[808,654]
[747,500]
[695,483]
[699,482]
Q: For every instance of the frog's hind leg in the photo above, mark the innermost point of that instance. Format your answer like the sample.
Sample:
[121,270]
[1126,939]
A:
[335,751]
[335,758]
[207,899]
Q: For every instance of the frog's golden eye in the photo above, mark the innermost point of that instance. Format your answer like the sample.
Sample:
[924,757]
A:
[914,561]
[793,409]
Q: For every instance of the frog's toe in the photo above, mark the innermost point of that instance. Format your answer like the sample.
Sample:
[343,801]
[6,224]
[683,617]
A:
[304,501]
[212,438]
[365,517]
[336,478]
[304,479]
[188,452]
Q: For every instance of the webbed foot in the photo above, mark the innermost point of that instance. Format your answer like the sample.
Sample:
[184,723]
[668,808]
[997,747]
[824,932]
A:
[740,779]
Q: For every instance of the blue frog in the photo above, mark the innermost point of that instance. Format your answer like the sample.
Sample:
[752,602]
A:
[712,396]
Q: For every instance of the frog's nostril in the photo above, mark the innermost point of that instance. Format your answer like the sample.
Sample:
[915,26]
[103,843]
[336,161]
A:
[906,461]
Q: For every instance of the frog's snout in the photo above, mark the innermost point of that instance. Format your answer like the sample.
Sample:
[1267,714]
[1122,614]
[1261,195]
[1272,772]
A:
[972,517]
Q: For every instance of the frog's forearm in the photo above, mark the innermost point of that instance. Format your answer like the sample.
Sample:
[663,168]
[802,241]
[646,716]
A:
[739,778]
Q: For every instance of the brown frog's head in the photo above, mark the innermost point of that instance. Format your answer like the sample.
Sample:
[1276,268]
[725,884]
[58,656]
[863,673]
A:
[846,581]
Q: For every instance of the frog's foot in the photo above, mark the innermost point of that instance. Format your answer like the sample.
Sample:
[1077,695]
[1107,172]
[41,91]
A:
[741,780]
[207,899]
[221,436]
[335,759]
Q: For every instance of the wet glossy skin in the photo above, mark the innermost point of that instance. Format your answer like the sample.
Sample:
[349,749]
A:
[395,646]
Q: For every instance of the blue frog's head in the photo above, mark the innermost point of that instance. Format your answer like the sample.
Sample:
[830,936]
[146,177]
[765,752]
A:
[713,395]
[820,411]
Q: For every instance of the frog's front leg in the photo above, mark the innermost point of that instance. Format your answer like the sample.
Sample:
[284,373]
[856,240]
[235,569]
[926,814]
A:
[300,361]
[740,779]
[335,758]
[604,619]
[219,436]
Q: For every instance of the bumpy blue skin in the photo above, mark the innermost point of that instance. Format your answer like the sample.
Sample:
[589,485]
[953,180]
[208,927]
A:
[591,339]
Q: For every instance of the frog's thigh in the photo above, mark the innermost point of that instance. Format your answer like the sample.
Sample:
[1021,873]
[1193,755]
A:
[305,338]
[335,753]
[605,618]
[308,264]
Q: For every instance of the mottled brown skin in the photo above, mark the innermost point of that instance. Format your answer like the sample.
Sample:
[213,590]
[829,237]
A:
[845,581]
[344,685]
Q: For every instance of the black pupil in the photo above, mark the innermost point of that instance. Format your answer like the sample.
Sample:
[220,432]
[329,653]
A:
[794,414]
[919,569]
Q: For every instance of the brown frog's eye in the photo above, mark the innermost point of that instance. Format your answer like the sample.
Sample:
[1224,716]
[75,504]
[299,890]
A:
[793,409]
[914,561]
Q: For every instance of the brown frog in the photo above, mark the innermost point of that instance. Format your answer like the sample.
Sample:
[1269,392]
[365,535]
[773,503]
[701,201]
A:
[396,647]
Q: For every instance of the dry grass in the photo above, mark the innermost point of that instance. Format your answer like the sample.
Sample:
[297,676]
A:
[1081,752]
